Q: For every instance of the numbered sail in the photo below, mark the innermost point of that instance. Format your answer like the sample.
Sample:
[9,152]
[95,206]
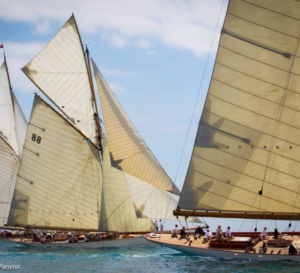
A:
[129,151]
[60,72]
[60,178]
[245,162]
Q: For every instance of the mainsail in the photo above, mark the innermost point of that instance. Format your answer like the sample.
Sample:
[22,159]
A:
[245,162]
[12,134]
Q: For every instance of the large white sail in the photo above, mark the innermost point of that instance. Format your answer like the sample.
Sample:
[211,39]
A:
[59,181]
[245,162]
[129,151]
[12,134]
[7,121]
[60,72]
[8,174]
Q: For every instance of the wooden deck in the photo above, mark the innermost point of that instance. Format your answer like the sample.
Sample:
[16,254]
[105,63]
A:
[238,243]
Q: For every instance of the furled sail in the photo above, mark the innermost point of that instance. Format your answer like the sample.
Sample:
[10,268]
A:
[129,151]
[245,162]
[60,72]
[12,134]
[59,180]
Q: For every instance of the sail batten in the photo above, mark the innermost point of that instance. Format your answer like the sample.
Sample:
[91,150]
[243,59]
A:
[245,162]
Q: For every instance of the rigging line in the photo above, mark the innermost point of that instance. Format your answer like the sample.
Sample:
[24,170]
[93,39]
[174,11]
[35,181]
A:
[200,87]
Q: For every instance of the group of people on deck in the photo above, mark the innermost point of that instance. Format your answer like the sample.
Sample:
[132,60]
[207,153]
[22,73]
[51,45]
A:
[199,232]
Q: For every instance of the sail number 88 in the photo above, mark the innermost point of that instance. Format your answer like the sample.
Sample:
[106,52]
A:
[36,138]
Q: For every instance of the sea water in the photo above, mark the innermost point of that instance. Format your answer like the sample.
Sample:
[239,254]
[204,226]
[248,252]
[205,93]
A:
[156,259]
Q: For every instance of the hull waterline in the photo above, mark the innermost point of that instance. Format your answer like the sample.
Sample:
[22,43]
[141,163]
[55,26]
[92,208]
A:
[117,243]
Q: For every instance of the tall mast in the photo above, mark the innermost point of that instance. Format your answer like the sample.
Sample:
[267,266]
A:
[96,114]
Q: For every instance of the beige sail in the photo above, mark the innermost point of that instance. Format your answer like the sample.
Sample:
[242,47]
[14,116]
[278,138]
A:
[117,210]
[59,181]
[150,201]
[8,174]
[245,162]
[129,151]
[60,72]
[12,134]
[21,125]
[7,113]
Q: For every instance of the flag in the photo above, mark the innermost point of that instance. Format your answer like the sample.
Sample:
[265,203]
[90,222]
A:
[1,45]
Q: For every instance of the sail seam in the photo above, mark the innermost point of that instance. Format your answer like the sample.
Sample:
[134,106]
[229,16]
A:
[225,182]
[30,182]
[284,54]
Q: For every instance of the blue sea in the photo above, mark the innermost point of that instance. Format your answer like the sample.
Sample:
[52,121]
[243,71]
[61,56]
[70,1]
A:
[156,259]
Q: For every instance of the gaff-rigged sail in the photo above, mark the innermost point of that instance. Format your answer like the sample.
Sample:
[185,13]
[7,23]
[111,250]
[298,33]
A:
[59,180]
[129,152]
[245,162]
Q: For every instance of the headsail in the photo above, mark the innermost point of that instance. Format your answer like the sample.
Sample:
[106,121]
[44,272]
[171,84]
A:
[59,181]
[245,162]
[129,151]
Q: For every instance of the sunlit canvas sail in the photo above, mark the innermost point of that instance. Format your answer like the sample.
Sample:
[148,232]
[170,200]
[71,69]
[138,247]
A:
[7,121]
[12,134]
[59,181]
[245,162]
[129,151]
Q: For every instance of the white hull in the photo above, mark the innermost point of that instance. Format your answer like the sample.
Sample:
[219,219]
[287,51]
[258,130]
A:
[225,253]
[127,242]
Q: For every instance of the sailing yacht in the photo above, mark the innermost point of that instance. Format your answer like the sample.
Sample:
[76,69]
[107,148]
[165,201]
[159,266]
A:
[245,161]
[75,175]
[13,126]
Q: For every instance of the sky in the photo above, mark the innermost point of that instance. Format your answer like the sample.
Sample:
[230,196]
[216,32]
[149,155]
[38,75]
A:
[153,54]
[157,56]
